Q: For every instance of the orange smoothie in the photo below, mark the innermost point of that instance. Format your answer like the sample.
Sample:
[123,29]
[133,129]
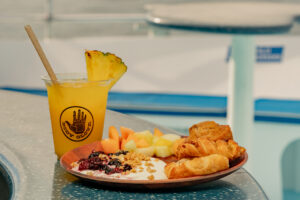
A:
[77,110]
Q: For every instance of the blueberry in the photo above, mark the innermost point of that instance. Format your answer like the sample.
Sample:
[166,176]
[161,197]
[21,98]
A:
[95,154]
[95,163]
[121,152]
[108,170]
[115,162]
[127,167]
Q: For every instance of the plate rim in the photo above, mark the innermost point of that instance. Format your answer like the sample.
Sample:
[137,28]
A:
[208,177]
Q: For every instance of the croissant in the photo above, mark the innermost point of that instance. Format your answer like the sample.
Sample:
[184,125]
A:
[210,130]
[203,147]
[196,166]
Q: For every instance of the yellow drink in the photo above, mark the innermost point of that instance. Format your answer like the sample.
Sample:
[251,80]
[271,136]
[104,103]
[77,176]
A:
[77,109]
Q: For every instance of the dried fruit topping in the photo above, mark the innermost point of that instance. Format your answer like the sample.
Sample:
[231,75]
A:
[109,163]
[115,162]
[95,154]
[84,165]
[127,167]
[122,152]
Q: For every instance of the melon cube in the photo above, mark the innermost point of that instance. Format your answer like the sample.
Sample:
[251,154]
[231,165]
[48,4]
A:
[146,135]
[162,142]
[130,146]
[148,151]
[157,132]
[110,145]
[162,151]
[155,138]
[171,137]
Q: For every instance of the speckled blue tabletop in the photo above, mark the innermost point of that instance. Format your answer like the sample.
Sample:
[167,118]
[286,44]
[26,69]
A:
[28,161]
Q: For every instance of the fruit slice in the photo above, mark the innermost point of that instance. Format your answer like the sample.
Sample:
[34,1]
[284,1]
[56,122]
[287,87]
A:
[171,137]
[130,146]
[142,143]
[110,145]
[125,132]
[132,137]
[123,142]
[163,142]
[148,151]
[155,138]
[162,151]
[157,132]
[146,135]
[113,134]
[104,66]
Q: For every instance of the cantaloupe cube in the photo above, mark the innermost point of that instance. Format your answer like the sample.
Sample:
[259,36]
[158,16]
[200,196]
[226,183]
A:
[114,134]
[157,132]
[132,137]
[125,132]
[110,145]
[123,142]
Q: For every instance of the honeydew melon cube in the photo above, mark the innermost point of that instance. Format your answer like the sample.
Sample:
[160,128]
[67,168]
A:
[171,137]
[147,151]
[130,146]
[162,151]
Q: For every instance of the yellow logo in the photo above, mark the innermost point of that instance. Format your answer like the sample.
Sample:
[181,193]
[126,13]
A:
[76,123]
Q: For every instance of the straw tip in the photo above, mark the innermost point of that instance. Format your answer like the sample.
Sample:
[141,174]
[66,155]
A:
[27,26]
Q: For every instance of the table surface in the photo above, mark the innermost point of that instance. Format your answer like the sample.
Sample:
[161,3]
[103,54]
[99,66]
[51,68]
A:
[221,17]
[27,152]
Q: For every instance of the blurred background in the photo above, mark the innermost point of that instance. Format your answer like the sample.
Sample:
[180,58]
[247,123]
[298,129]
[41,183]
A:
[175,77]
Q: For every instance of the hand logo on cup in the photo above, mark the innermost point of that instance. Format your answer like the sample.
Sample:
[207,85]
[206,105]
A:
[82,125]
[78,125]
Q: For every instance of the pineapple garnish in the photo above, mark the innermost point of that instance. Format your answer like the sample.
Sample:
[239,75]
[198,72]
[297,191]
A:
[104,66]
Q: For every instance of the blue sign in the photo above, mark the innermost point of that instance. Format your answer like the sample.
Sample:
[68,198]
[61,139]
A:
[265,54]
[269,54]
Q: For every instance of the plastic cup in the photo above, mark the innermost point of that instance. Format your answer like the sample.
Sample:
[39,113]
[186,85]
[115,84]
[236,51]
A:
[77,110]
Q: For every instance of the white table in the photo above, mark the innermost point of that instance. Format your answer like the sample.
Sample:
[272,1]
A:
[243,21]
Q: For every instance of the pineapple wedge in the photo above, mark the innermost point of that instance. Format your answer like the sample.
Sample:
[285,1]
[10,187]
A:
[104,66]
